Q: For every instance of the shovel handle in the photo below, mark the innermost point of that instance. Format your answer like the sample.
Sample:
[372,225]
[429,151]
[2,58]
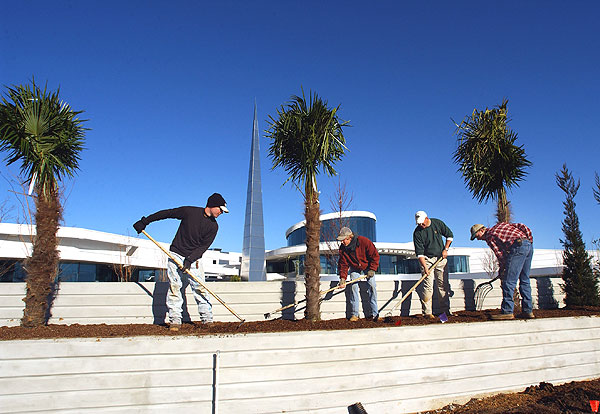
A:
[416,284]
[192,276]
[321,293]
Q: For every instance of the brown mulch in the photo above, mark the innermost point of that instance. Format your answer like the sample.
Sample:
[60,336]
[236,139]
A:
[544,398]
[272,325]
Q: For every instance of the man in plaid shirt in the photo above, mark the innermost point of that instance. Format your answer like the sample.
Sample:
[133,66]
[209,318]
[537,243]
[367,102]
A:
[512,243]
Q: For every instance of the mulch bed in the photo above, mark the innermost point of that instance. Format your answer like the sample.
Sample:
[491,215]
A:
[273,325]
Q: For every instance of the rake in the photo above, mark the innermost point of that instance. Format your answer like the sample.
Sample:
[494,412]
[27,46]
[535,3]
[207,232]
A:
[268,314]
[195,278]
[388,316]
[482,291]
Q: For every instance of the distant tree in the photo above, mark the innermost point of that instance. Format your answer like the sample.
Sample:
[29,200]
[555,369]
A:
[580,283]
[596,189]
[488,158]
[45,135]
[307,139]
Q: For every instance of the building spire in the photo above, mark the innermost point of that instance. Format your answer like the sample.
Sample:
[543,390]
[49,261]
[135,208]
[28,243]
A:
[253,251]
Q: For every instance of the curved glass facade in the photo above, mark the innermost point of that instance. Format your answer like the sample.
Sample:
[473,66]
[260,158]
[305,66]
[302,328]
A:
[363,226]
[389,264]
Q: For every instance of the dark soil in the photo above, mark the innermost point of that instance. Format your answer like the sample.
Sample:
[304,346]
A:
[544,398]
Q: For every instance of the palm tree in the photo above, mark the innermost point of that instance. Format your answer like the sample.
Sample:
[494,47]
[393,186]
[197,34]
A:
[45,135]
[307,139]
[488,158]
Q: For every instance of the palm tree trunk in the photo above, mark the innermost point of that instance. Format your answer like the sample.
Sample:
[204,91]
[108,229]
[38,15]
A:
[312,260]
[503,213]
[42,266]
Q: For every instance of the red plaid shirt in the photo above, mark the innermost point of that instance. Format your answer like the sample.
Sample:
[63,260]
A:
[501,237]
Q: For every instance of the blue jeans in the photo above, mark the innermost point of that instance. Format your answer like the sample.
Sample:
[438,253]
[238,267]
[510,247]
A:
[353,297]
[177,280]
[518,266]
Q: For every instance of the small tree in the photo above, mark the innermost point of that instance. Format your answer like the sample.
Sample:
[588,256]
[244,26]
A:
[45,135]
[307,139]
[488,158]
[340,202]
[596,189]
[580,283]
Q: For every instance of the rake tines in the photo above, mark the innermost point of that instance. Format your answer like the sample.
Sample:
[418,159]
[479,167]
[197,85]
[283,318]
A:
[482,291]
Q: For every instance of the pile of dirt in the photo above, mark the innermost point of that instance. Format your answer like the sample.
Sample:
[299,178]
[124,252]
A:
[545,398]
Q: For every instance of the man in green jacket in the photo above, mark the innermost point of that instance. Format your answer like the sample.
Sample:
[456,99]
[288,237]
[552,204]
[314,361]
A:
[429,246]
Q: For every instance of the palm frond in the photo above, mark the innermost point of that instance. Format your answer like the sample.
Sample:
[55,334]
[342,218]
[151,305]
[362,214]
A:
[42,132]
[306,139]
[486,153]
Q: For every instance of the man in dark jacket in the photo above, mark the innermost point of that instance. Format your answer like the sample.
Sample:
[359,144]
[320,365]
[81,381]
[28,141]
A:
[358,255]
[196,232]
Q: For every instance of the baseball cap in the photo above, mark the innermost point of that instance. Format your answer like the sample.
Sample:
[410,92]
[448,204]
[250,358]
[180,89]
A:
[474,229]
[344,233]
[420,216]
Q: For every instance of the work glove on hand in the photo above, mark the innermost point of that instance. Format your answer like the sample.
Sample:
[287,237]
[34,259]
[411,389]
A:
[139,225]
[342,283]
[370,274]
[186,264]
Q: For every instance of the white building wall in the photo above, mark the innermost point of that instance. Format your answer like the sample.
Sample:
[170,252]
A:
[389,370]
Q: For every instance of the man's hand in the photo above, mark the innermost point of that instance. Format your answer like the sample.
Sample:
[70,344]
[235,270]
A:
[342,283]
[139,225]
[186,264]
[445,253]
[370,274]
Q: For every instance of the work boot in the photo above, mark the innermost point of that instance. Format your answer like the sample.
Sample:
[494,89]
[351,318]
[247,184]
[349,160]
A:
[526,315]
[353,318]
[174,326]
[502,316]
[429,316]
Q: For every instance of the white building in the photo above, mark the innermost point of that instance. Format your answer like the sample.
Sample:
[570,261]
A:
[89,255]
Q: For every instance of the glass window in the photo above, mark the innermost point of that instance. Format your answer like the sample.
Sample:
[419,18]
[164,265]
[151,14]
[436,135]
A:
[67,272]
[458,264]
[363,226]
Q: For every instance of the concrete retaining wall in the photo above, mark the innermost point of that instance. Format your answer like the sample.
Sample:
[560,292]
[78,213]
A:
[389,370]
[122,303]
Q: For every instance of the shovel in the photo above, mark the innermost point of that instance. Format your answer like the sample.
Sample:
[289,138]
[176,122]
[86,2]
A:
[194,277]
[388,316]
[268,314]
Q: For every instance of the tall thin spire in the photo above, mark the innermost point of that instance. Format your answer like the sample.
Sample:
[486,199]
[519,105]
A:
[253,251]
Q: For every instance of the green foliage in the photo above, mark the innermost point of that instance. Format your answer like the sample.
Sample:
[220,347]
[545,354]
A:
[306,139]
[43,133]
[596,189]
[580,283]
[488,158]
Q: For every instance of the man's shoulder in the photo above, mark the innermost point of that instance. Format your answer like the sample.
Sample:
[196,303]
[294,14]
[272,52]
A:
[364,239]
[438,221]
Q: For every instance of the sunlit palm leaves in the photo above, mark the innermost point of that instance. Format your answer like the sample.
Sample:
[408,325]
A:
[43,133]
[306,139]
[487,155]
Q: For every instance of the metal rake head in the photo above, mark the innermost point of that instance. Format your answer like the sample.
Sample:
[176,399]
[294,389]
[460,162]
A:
[481,292]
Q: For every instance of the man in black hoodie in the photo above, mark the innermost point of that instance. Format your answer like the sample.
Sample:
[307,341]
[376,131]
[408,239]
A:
[196,232]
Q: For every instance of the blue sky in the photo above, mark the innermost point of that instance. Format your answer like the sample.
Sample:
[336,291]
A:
[169,90]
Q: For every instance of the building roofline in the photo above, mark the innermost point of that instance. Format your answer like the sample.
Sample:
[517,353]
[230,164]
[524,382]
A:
[329,216]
